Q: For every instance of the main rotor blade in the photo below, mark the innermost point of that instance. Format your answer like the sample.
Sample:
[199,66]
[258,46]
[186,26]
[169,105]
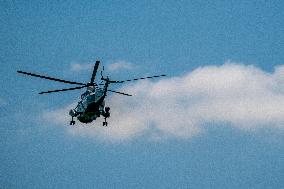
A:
[95,71]
[119,93]
[60,90]
[155,76]
[50,78]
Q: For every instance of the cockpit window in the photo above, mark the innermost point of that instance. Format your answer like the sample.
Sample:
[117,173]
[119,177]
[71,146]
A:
[85,94]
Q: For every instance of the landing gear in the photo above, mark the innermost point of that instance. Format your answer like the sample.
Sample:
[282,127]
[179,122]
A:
[72,122]
[106,114]
[105,122]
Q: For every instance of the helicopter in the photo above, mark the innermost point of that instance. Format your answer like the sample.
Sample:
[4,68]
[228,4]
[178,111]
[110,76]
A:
[92,102]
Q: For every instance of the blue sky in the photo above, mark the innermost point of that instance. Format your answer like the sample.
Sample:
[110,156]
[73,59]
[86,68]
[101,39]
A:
[156,138]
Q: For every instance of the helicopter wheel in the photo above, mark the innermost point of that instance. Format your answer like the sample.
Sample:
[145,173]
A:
[105,122]
[72,122]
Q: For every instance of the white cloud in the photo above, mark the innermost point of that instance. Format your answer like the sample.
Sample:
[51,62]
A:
[120,65]
[241,96]
[81,67]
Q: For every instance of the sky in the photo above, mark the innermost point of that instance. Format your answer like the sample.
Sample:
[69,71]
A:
[215,121]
